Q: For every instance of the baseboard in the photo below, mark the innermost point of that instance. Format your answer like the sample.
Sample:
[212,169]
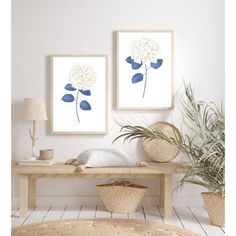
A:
[89,200]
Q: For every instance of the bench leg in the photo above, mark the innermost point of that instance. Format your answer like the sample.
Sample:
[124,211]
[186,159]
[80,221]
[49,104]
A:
[31,194]
[161,202]
[23,195]
[165,194]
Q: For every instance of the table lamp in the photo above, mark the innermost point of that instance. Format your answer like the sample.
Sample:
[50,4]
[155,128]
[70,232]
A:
[34,109]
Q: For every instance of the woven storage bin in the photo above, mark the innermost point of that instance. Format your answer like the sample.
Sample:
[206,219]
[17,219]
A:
[215,205]
[121,197]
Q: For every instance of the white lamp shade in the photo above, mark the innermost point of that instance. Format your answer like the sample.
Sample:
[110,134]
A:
[34,109]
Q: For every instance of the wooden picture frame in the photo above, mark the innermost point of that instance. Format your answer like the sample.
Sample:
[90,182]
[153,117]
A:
[144,69]
[78,94]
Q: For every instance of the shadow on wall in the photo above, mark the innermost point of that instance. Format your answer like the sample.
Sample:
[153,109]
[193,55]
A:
[18,127]
[47,89]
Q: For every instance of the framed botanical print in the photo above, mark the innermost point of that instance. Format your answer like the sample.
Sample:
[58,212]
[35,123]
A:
[144,69]
[78,94]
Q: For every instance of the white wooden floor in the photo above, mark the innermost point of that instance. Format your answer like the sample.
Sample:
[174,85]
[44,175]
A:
[192,218]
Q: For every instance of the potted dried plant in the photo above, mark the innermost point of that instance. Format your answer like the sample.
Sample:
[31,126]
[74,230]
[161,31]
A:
[204,147]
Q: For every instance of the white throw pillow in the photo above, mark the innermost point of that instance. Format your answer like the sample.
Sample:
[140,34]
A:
[104,157]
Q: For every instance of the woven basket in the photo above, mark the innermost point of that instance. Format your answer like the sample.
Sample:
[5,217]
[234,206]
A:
[159,150]
[215,205]
[121,197]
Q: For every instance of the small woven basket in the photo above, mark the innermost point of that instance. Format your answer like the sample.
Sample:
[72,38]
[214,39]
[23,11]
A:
[215,205]
[121,197]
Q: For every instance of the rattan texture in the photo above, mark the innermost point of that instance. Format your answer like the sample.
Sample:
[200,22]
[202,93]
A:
[215,205]
[121,197]
[159,150]
[100,227]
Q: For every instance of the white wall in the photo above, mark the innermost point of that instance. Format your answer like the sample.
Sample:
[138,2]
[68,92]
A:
[45,27]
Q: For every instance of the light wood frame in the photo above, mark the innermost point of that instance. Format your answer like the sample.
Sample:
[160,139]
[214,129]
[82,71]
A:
[117,69]
[51,57]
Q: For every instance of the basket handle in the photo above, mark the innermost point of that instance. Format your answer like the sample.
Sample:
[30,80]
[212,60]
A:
[122,183]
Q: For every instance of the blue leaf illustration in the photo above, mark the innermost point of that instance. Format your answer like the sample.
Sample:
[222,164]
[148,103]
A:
[69,87]
[68,98]
[84,105]
[157,64]
[136,66]
[137,78]
[85,92]
[129,59]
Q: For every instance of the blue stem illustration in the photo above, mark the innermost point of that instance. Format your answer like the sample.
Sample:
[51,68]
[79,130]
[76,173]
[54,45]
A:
[146,71]
[145,84]
[76,105]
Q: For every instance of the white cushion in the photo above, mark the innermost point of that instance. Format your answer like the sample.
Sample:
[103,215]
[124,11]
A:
[104,157]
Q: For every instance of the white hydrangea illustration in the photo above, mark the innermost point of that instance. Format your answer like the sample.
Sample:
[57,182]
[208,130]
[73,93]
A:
[144,50]
[82,76]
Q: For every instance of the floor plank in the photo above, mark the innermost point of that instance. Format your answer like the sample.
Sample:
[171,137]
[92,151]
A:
[173,220]
[14,211]
[223,229]
[188,220]
[201,215]
[152,213]
[138,214]
[71,212]
[192,218]
[119,216]
[17,221]
[87,212]
[54,213]
[37,215]
[102,212]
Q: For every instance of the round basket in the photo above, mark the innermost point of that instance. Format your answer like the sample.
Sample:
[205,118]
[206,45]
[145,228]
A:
[121,197]
[159,150]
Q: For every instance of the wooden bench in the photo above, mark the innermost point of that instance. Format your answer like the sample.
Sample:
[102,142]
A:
[29,174]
